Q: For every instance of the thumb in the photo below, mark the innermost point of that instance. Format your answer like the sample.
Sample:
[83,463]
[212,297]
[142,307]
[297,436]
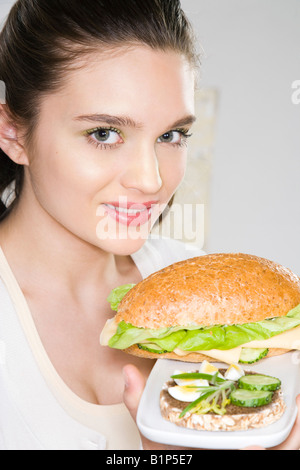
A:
[134,387]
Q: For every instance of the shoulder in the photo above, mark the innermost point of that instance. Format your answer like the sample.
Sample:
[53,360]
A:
[157,253]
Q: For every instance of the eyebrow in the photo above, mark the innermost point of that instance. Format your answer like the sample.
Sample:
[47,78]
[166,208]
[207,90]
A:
[186,121]
[125,121]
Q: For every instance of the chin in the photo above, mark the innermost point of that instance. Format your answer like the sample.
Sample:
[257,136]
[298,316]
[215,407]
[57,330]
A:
[121,247]
[122,240]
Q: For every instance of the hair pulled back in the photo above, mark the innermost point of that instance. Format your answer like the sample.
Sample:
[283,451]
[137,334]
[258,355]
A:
[42,39]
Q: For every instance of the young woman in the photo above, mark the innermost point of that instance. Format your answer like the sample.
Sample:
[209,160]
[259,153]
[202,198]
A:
[99,107]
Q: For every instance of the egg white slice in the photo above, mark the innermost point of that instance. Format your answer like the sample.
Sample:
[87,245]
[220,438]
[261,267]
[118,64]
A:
[183,382]
[208,368]
[234,372]
[183,393]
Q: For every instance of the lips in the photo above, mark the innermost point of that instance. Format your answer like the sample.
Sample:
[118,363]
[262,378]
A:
[130,213]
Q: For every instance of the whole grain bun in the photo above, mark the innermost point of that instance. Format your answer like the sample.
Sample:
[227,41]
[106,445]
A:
[212,289]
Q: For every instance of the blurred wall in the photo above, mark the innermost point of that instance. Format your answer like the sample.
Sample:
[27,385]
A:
[5,5]
[252,57]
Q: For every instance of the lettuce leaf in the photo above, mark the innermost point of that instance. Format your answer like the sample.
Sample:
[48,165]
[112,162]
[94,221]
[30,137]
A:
[193,338]
[117,295]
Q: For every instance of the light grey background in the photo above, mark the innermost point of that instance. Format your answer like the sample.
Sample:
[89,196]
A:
[252,57]
[5,5]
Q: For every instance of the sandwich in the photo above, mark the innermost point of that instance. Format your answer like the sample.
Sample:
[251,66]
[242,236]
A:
[224,400]
[229,307]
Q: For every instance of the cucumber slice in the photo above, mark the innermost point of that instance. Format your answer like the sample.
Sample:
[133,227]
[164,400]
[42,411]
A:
[250,398]
[259,382]
[151,347]
[249,356]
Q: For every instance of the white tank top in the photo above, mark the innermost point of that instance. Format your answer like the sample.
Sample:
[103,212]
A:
[38,411]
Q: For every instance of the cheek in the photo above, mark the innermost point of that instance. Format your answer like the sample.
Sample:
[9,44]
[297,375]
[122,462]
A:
[65,167]
[172,170]
[64,183]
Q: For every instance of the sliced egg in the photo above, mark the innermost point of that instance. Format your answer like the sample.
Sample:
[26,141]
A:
[209,368]
[183,382]
[234,372]
[183,393]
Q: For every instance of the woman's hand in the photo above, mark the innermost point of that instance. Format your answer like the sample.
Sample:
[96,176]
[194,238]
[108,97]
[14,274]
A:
[134,387]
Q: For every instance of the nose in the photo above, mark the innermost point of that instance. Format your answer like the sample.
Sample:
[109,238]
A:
[142,172]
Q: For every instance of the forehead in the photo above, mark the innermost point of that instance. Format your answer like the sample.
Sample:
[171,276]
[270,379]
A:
[136,80]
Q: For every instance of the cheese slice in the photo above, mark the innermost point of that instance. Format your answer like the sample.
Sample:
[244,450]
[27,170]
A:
[108,331]
[228,356]
[288,340]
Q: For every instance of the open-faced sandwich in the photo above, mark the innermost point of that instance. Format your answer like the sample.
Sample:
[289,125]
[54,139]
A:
[213,399]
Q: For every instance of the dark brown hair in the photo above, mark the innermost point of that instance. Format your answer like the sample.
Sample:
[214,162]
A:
[41,39]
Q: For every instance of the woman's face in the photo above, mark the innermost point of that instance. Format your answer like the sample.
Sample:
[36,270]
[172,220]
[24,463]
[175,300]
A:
[110,147]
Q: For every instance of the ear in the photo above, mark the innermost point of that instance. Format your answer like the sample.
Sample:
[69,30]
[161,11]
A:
[10,140]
